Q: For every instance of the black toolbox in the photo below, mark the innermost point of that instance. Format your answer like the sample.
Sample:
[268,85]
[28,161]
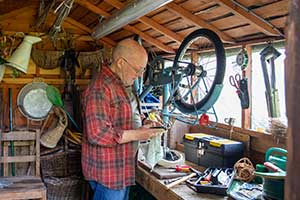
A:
[218,182]
[211,151]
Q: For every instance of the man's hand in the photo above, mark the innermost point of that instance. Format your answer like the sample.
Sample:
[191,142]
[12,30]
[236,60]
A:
[143,133]
[151,123]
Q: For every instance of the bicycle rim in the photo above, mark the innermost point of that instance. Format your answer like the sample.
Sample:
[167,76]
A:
[197,88]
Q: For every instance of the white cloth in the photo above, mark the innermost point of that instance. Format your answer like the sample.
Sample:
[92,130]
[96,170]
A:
[152,151]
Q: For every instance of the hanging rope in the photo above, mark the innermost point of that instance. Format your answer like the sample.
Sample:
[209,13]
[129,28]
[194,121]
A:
[43,13]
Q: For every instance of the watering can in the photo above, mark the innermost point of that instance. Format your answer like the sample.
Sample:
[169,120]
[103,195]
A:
[277,156]
[273,181]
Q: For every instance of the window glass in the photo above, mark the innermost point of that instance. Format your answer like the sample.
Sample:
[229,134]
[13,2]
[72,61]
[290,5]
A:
[228,104]
[260,117]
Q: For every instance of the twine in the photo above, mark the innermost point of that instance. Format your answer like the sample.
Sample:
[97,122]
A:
[244,170]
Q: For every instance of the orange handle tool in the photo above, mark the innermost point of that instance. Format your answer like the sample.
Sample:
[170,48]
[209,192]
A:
[182,168]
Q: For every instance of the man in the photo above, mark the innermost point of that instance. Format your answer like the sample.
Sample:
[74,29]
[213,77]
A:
[112,125]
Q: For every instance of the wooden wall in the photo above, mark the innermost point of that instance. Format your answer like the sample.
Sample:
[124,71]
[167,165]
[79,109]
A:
[292,186]
[256,143]
[49,76]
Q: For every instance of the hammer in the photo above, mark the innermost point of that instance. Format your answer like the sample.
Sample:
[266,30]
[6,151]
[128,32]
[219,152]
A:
[180,180]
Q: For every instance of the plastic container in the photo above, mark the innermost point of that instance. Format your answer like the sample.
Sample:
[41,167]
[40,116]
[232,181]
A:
[211,151]
[217,182]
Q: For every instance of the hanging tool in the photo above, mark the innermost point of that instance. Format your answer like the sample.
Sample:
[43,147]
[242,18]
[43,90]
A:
[235,81]
[270,54]
[242,59]
[55,98]
[241,85]
[12,147]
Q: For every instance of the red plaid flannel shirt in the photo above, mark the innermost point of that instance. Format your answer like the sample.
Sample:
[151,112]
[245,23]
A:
[106,113]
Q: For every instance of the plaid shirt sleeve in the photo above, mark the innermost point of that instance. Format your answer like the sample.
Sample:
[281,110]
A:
[100,128]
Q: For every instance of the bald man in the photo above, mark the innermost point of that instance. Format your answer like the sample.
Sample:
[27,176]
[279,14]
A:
[112,124]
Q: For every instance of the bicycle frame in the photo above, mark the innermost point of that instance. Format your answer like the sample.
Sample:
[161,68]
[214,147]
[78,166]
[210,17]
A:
[170,83]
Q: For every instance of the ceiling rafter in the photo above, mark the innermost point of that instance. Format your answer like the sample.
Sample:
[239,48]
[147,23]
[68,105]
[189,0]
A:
[240,10]
[42,35]
[151,23]
[149,39]
[196,20]
[109,42]
[15,13]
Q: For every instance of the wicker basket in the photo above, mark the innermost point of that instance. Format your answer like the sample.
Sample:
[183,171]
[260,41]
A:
[51,59]
[61,164]
[46,59]
[68,188]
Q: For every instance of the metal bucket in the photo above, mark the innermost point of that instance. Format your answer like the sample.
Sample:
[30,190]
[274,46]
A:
[33,102]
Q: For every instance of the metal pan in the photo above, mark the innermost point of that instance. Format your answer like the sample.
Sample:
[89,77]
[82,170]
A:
[33,102]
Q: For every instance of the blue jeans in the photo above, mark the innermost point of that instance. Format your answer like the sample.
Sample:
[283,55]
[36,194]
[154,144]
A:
[103,193]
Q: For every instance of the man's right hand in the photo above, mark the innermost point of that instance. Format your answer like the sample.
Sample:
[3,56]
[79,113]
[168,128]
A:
[143,133]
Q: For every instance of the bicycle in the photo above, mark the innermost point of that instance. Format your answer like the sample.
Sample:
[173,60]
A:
[190,87]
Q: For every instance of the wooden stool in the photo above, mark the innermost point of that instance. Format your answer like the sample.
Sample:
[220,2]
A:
[22,187]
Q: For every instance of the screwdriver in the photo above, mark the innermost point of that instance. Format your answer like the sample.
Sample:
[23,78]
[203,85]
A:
[183,168]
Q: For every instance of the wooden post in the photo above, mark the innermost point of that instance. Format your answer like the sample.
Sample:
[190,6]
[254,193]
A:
[246,113]
[292,76]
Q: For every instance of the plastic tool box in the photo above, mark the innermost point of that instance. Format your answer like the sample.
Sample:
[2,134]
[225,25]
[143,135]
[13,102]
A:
[213,180]
[211,151]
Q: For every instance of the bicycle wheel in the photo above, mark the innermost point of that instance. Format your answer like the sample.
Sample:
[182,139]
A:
[201,82]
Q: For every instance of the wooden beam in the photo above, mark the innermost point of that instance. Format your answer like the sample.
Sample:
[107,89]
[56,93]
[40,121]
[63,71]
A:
[292,80]
[251,17]
[151,23]
[15,13]
[19,135]
[86,4]
[109,42]
[53,81]
[247,73]
[197,21]
[146,37]
[15,159]
[149,39]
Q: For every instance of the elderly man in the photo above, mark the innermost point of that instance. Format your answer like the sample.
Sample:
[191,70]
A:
[112,124]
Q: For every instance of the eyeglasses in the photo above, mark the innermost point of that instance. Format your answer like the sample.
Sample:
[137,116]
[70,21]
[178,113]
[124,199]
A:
[137,71]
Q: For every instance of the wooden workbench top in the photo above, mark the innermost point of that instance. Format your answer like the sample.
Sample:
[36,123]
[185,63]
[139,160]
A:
[158,189]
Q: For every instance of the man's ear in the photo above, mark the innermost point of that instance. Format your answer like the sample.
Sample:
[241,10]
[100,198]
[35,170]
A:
[120,62]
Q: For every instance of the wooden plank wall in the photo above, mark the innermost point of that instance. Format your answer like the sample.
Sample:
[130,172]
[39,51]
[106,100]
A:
[49,76]
[255,143]
[53,77]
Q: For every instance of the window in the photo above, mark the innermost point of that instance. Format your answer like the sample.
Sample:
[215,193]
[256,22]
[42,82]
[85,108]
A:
[260,117]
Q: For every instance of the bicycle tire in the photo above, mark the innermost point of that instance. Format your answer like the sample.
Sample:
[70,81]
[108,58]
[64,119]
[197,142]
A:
[220,69]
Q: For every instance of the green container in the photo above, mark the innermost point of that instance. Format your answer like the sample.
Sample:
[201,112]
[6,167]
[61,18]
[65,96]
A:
[273,188]
[260,168]
[277,156]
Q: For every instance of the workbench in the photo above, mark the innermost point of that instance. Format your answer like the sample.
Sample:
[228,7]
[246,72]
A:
[158,189]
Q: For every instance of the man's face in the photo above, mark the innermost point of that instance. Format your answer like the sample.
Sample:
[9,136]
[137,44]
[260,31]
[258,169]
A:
[132,69]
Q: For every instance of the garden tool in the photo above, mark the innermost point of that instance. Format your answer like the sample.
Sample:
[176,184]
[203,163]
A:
[55,98]
[20,57]
[241,85]
[51,137]
[270,54]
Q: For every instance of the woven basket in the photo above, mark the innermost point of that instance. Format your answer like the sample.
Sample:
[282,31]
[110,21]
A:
[68,188]
[51,59]
[89,60]
[46,59]
[61,164]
